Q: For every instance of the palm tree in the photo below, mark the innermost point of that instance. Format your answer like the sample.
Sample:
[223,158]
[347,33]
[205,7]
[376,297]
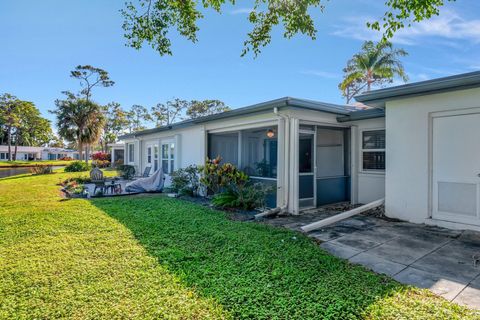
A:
[376,65]
[79,120]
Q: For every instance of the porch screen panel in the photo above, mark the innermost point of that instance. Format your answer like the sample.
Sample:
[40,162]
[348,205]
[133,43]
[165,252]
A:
[224,145]
[259,152]
[330,152]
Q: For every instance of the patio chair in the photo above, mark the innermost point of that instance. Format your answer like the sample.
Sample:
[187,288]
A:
[96,176]
[146,172]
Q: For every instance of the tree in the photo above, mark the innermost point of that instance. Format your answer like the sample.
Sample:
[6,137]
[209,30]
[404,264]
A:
[79,120]
[91,77]
[151,21]
[205,108]
[136,118]
[32,129]
[56,142]
[376,65]
[21,122]
[115,123]
[10,117]
[170,112]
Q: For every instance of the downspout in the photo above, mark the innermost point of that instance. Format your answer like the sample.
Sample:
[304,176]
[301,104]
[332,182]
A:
[286,175]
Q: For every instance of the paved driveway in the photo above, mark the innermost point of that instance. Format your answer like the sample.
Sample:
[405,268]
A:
[424,256]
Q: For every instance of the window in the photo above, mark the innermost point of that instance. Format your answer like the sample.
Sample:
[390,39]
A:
[155,158]
[3,156]
[131,152]
[149,155]
[167,157]
[373,150]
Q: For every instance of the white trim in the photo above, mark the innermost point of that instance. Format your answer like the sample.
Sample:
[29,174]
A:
[245,126]
[362,150]
[263,178]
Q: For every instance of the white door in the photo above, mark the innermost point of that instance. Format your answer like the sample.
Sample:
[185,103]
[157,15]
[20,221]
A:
[456,168]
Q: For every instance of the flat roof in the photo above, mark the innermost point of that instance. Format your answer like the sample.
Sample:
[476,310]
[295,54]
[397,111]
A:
[377,98]
[264,106]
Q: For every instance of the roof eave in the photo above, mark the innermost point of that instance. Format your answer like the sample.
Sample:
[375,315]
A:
[378,98]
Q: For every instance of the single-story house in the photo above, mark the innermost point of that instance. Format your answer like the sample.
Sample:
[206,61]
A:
[26,153]
[418,147]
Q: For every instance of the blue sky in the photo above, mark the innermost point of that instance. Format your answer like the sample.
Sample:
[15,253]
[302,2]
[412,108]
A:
[43,40]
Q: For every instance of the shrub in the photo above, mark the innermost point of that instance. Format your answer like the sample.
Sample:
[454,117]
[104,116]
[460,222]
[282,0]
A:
[66,159]
[101,163]
[210,176]
[104,156]
[186,181]
[250,197]
[126,171]
[39,169]
[231,187]
[216,177]
[77,180]
[77,166]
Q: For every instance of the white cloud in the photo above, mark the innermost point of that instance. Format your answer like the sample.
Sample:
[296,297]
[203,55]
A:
[241,11]
[448,25]
[322,74]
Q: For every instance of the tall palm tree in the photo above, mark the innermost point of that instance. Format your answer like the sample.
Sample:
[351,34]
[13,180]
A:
[376,65]
[79,120]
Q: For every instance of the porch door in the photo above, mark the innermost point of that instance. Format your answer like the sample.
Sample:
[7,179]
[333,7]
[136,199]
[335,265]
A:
[306,167]
[168,159]
[456,168]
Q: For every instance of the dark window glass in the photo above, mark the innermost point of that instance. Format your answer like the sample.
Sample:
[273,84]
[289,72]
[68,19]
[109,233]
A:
[305,154]
[374,160]
[131,157]
[259,152]
[373,139]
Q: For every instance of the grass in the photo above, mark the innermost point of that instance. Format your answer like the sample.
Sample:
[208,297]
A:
[17,163]
[149,257]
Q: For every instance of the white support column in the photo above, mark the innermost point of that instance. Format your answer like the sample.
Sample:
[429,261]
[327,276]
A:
[112,156]
[294,180]
[281,156]
[354,163]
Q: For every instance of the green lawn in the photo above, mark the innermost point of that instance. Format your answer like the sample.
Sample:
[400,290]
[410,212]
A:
[149,257]
[18,163]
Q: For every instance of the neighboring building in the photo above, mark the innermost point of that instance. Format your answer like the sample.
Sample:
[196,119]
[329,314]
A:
[117,151]
[423,156]
[37,153]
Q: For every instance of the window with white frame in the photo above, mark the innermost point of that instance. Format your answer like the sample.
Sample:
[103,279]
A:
[149,155]
[373,150]
[131,152]
[168,157]
[155,158]
[3,156]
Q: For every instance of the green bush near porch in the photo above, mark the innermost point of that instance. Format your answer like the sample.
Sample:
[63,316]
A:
[149,257]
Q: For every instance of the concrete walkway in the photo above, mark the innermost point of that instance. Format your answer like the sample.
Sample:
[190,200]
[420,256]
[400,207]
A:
[424,256]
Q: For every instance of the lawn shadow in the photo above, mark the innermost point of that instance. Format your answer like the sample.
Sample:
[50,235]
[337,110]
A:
[258,271]
[19,176]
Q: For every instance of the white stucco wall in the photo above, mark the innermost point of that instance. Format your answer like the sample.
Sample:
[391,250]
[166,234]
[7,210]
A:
[367,186]
[408,168]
